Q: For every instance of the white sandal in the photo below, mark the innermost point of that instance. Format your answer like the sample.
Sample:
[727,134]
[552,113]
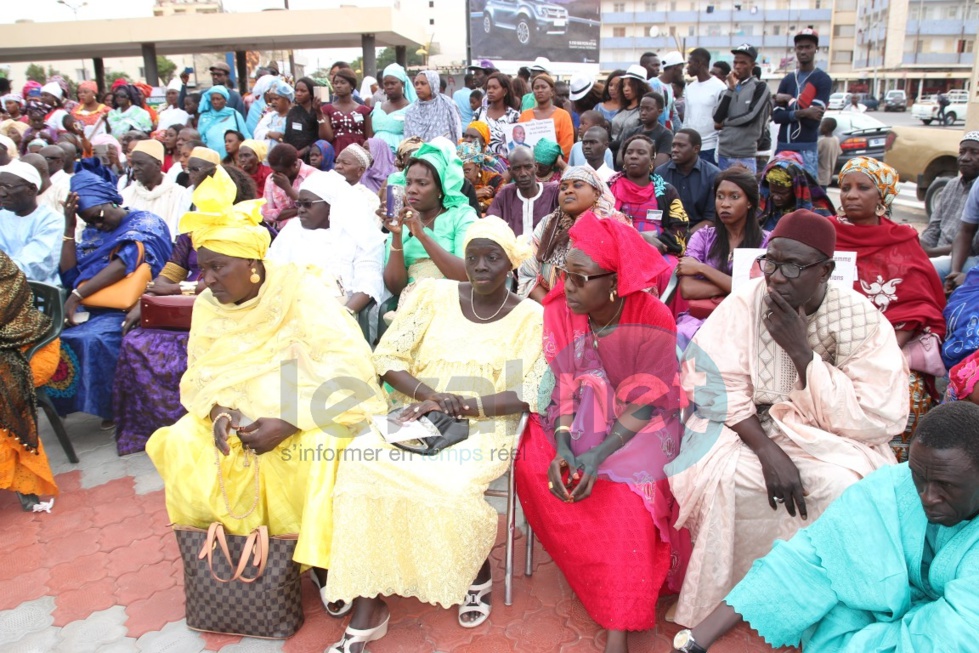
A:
[474,603]
[347,605]
[353,636]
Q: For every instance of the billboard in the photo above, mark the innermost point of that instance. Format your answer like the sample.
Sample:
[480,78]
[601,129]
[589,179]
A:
[564,31]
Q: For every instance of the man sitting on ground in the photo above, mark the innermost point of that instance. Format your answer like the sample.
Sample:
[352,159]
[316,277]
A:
[892,565]
[799,386]
[692,176]
[946,214]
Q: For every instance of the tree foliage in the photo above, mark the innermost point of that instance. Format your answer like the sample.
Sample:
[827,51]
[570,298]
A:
[112,75]
[386,57]
[35,72]
[165,69]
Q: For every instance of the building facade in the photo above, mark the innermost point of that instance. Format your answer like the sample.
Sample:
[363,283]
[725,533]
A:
[632,27]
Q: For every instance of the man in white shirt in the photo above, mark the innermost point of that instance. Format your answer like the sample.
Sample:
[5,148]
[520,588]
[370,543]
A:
[173,114]
[594,145]
[30,235]
[54,156]
[702,96]
[151,190]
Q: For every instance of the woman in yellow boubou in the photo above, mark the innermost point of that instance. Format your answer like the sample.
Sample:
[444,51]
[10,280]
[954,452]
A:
[278,379]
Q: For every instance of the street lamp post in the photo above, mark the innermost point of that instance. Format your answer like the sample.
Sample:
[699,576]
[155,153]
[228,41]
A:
[74,9]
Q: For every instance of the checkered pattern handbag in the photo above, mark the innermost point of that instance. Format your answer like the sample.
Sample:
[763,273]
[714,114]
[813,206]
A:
[240,585]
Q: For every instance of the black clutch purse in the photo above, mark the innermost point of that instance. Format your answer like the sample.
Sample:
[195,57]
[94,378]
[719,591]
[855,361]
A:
[445,429]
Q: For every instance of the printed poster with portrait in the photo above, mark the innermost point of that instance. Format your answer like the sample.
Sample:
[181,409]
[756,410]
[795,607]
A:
[528,133]
[744,267]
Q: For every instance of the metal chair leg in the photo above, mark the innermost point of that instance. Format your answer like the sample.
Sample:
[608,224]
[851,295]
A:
[44,401]
[511,518]
[529,571]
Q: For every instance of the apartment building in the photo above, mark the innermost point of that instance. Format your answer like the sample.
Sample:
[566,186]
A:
[631,27]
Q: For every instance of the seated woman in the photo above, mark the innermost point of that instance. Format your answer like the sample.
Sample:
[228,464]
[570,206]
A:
[798,385]
[705,270]
[412,525]
[581,190]
[547,156]
[322,156]
[962,379]
[426,240]
[786,186]
[590,473]
[24,467]
[251,158]
[232,141]
[334,218]
[250,323]
[381,167]
[478,133]
[653,206]
[478,170]
[146,390]
[115,243]
[352,164]
[896,275]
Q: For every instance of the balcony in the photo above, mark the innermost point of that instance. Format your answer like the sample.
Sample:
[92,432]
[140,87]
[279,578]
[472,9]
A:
[942,28]
[637,17]
[938,58]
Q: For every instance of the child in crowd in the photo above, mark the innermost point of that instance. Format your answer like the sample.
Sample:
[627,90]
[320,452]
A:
[476,100]
[828,151]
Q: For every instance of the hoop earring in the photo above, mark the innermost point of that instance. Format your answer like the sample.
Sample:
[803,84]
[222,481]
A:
[254,278]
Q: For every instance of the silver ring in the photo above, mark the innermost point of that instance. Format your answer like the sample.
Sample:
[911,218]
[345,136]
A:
[768,315]
[779,500]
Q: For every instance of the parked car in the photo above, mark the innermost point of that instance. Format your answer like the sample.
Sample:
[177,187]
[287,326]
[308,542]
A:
[927,157]
[896,100]
[859,134]
[926,109]
[528,19]
[869,101]
[838,100]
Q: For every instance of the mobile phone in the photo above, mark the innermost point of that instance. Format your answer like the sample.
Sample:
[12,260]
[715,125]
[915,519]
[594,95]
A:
[395,201]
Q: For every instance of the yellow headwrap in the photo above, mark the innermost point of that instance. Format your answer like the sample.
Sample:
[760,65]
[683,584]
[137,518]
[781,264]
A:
[260,148]
[493,228]
[223,227]
[779,177]
[483,130]
[205,154]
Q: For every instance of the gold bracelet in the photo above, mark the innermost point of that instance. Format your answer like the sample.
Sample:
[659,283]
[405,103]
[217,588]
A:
[396,249]
[65,239]
[562,429]
[479,406]
[413,392]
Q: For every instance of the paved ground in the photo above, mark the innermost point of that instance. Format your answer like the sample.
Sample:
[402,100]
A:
[101,573]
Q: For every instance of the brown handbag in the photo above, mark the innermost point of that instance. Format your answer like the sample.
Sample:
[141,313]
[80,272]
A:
[171,312]
[241,584]
[123,294]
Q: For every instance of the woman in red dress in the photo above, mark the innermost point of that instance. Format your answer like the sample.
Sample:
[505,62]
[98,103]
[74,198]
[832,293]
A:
[590,470]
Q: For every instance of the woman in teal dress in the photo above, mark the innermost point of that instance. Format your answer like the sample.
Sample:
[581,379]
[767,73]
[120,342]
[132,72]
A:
[388,117]
[426,237]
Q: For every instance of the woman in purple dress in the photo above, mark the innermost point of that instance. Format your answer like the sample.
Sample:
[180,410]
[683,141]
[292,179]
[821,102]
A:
[705,269]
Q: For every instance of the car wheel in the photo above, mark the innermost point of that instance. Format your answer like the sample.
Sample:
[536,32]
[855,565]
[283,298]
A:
[487,24]
[950,119]
[927,122]
[524,29]
[932,193]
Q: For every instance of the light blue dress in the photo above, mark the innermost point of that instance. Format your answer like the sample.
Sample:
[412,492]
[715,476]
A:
[389,127]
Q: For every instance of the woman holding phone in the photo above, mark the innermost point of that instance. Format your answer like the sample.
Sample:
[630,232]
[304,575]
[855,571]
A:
[426,240]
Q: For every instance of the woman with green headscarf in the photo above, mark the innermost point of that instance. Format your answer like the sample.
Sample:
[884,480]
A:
[550,165]
[426,236]
[251,408]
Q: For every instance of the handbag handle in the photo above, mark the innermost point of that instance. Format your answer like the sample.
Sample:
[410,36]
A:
[215,538]
[260,555]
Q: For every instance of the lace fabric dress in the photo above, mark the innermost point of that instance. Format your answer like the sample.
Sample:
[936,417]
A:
[411,525]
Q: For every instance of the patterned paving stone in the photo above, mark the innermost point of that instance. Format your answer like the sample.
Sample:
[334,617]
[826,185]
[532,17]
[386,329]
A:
[175,637]
[89,635]
[26,619]
[42,641]
[251,645]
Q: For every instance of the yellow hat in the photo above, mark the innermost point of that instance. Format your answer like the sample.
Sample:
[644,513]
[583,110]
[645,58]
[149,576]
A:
[493,228]
[260,148]
[206,154]
[150,147]
[223,227]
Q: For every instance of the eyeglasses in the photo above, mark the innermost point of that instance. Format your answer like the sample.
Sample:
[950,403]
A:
[789,270]
[201,168]
[307,204]
[579,280]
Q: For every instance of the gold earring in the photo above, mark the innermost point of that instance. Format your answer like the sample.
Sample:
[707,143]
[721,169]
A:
[881,210]
[254,278]
[101,213]
[611,295]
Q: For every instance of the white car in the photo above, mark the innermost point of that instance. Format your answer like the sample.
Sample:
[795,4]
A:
[926,109]
[838,100]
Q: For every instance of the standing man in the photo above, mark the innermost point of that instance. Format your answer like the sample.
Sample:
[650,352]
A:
[742,112]
[801,101]
[220,76]
[703,94]
[650,61]
[461,98]
[692,176]
[672,65]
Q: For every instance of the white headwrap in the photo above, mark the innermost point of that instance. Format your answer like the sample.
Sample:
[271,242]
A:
[53,89]
[10,146]
[349,212]
[263,84]
[362,155]
[25,171]
[175,84]
[365,87]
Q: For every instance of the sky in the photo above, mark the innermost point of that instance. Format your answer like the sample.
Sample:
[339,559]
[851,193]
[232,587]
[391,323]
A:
[51,11]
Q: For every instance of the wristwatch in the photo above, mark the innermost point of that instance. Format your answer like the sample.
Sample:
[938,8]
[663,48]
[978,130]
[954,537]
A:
[685,643]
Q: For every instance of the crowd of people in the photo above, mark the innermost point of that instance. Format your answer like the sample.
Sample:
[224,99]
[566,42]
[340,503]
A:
[392,255]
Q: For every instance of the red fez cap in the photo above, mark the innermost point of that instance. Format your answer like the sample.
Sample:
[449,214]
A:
[807,228]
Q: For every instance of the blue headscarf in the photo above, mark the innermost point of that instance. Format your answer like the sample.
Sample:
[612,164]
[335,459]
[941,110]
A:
[328,154]
[94,166]
[93,190]
[282,89]
[396,71]
[205,104]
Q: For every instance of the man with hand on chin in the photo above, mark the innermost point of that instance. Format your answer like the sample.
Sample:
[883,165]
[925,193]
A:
[799,386]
